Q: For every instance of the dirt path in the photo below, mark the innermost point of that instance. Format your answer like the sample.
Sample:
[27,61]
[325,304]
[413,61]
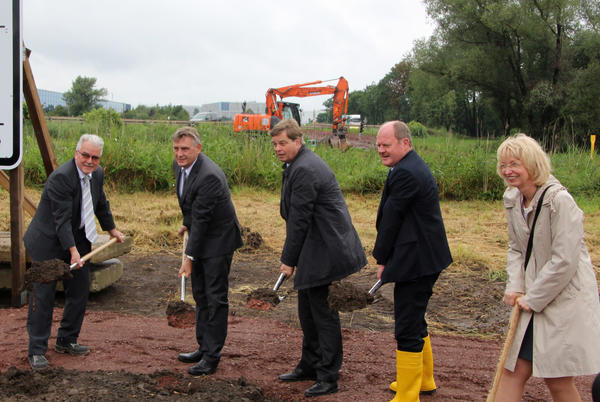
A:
[136,350]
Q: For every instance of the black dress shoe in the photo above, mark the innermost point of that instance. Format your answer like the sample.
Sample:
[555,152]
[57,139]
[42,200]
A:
[321,388]
[72,349]
[192,357]
[202,368]
[297,375]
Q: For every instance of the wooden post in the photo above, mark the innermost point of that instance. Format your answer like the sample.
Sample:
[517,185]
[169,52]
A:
[17,224]
[36,112]
[29,205]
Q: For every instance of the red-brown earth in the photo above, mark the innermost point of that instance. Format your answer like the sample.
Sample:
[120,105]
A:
[134,350]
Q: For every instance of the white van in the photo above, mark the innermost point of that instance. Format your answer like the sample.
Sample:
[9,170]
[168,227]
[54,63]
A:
[352,120]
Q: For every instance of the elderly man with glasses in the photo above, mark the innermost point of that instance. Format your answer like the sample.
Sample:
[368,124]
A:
[64,228]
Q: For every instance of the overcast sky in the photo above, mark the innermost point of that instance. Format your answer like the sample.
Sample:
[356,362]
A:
[195,52]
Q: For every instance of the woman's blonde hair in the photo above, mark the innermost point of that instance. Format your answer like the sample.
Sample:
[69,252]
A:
[530,153]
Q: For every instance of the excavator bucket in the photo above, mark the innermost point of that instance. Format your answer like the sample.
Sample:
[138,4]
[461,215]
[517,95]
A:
[342,143]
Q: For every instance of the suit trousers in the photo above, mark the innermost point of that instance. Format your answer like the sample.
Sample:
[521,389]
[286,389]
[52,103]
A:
[322,350]
[41,306]
[410,304]
[210,284]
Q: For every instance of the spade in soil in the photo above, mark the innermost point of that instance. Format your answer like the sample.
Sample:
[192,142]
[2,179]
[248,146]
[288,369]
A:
[53,270]
[179,313]
[265,299]
[344,296]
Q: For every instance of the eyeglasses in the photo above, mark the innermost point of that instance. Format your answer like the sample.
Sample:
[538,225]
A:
[512,165]
[85,155]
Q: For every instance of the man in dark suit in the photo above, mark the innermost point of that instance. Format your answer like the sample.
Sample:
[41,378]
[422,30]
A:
[411,249]
[322,246]
[57,231]
[214,234]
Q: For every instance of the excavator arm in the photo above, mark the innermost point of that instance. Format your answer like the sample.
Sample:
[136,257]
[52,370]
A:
[340,98]
[275,106]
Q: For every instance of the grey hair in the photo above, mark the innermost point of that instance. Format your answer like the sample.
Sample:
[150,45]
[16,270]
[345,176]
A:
[187,131]
[93,138]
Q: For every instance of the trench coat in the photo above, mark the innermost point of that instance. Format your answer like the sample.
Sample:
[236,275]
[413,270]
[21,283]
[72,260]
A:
[321,241]
[559,284]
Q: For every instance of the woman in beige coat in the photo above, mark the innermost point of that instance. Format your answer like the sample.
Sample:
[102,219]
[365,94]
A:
[558,332]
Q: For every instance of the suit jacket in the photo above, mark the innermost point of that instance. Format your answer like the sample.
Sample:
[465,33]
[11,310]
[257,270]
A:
[207,210]
[411,238]
[55,225]
[321,241]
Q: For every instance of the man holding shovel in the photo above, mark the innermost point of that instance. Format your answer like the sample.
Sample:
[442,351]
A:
[322,245]
[213,235]
[64,228]
[411,250]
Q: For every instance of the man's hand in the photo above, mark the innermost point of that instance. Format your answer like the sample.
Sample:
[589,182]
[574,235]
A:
[75,257]
[380,271]
[115,233]
[182,229]
[287,270]
[186,268]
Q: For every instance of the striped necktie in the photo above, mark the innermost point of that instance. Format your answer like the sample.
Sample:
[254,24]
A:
[88,211]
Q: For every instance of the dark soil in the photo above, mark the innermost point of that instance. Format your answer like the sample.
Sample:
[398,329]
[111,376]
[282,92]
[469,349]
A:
[46,272]
[126,329]
[265,295]
[121,385]
[344,296]
[180,314]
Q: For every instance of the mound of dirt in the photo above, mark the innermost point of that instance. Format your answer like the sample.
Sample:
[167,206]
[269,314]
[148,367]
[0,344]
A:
[46,272]
[252,240]
[58,384]
[345,296]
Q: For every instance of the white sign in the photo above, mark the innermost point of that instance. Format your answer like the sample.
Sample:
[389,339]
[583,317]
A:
[11,84]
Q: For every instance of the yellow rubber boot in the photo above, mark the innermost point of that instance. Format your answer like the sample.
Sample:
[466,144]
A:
[409,370]
[428,386]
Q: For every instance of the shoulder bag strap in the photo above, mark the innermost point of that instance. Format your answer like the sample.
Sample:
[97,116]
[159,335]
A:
[530,242]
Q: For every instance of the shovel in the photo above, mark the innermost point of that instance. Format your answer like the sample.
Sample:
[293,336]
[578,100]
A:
[512,327]
[94,252]
[179,313]
[185,240]
[375,287]
[280,280]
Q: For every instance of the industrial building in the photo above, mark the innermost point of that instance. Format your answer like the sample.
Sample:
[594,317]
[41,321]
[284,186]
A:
[53,98]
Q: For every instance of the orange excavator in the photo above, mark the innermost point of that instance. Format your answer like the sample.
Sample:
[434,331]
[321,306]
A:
[277,109]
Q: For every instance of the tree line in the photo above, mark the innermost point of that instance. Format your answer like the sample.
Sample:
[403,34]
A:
[495,67]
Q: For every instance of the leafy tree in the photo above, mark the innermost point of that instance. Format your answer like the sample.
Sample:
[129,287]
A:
[83,97]
[515,57]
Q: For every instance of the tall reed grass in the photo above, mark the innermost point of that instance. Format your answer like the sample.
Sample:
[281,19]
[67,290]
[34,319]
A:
[138,157]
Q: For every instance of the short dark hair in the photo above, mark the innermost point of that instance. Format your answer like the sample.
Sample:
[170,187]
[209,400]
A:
[596,389]
[290,126]
[187,131]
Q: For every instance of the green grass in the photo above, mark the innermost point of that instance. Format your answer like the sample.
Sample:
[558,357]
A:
[138,157]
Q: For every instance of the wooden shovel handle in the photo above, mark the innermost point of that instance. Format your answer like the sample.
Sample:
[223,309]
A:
[95,251]
[512,327]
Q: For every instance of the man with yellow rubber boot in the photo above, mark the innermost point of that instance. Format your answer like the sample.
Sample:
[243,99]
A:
[411,250]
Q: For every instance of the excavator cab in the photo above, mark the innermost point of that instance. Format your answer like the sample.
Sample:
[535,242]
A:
[290,110]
